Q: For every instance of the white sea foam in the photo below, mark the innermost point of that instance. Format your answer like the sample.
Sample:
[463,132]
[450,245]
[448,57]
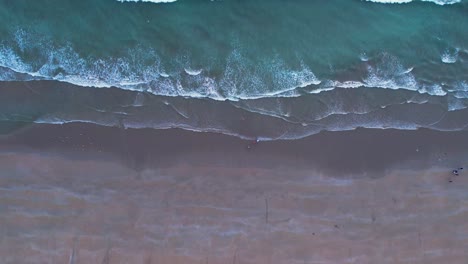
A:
[349,84]
[239,81]
[449,57]
[460,90]
[285,136]
[434,89]
[390,73]
[455,104]
[390,1]
[9,59]
[363,57]
[438,2]
[241,78]
[193,72]
[443,2]
[151,1]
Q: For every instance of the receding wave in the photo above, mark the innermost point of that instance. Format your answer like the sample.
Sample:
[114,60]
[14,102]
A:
[264,118]
[425,115]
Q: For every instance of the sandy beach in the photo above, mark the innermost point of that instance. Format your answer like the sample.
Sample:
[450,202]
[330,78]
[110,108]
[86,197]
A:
[81,193]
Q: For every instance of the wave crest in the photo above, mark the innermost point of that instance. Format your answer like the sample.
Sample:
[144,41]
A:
[237,77]
[438,2]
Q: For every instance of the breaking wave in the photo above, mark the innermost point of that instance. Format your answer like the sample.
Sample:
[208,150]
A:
[143,70]
[438,2]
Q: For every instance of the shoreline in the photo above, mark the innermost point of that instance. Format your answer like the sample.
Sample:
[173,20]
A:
[52,102]
[351,152]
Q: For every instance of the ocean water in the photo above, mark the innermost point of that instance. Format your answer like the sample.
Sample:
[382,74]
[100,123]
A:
[266,69]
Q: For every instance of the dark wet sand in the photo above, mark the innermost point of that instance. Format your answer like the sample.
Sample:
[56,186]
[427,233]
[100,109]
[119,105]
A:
[81,193]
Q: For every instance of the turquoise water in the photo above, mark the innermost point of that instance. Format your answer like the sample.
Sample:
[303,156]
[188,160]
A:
[255,54]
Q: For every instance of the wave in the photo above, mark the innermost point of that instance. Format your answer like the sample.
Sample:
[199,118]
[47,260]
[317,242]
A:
[339,105]
[192,72]
[449,57]
[237,78]
[390,1]
[142,70]
[236,83]
[285,130]
[438,2]
[151,1]
[265,118]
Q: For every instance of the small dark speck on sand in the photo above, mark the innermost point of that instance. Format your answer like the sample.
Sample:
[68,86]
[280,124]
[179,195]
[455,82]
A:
[336,226]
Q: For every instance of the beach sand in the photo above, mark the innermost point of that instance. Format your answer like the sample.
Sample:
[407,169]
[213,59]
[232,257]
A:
[81,193]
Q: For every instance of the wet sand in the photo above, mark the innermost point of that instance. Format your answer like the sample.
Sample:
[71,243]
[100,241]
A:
[81,193]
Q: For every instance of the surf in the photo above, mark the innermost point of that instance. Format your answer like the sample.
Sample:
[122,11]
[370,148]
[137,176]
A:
[437,2]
